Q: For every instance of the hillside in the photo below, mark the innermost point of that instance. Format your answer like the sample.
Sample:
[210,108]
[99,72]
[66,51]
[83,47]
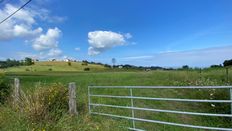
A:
[56,66]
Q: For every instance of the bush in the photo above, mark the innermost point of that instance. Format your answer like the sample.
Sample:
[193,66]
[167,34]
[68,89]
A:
[50,69]
[227,63]
[69,63]
[27,69]
[86,69]
[4,89]
[28,61]
[84,63]
[45,103]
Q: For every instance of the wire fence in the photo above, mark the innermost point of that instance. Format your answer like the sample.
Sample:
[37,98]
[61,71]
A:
[133,108]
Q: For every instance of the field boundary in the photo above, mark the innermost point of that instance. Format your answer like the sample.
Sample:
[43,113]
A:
[133,108]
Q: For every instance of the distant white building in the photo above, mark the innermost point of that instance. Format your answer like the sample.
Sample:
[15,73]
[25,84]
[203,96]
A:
[67,60]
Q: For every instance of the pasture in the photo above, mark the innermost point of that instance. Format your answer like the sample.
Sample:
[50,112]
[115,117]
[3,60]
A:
[31,80]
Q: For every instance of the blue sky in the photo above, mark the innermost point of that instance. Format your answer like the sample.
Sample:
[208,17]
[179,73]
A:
[168,33]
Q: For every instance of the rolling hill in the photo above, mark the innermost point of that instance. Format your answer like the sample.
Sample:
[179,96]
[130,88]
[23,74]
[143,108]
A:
[45,66]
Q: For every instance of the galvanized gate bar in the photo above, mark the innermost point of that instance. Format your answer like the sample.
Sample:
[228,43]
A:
[163,122]
[135,129]
[132,107]
[230,99]
[164,99]
[89,99]
[166,87]
[165,111]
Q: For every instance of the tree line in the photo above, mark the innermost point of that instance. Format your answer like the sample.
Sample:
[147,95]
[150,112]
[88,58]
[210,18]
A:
[11,62]
[29,61]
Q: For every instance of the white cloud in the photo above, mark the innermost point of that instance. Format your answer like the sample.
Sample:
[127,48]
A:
[93,51]
[23,15]
[54,52]
[77,49]
[45,15]
[138,57]
[47,44]
[100,41]
[198,57]
[22,25]
[48,40]
[24,31]
[19,25]
[128,35]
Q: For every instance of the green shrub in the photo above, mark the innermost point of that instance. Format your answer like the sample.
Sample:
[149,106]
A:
[27,69]
[50,69]
[69,63]
[4,89]
[86,69]
[84,63]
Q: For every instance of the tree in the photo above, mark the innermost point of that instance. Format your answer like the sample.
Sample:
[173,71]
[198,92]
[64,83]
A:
[185,67]
[28,61]
[227,63]
[84,63]
[9,63]
[113,61]
[215,66]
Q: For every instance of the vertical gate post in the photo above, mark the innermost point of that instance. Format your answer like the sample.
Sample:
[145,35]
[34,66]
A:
[132,110]
[89,100]
[16,91]
[72,99]
[231,100]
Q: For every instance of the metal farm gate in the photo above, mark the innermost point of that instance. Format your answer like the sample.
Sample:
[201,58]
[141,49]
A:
[133,107]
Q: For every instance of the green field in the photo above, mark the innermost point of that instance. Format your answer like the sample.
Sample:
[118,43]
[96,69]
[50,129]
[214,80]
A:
[99,75]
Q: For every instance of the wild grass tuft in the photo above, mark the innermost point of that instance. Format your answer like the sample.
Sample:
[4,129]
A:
[44,103]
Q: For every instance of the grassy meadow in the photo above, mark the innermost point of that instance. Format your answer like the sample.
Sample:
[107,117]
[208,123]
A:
[39,79]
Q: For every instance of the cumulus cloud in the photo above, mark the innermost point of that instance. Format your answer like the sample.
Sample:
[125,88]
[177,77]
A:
[54,52]
[23,15]
[48,40]
[20,24]
[47,44]
[100,41]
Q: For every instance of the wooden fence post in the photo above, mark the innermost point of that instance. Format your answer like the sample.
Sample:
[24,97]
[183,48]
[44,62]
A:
[16,89]
[72,98]
[16,92]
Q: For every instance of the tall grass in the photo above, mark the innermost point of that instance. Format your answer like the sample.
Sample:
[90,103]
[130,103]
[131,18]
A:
[4,89]
[44,103]
[46,108]
[63,121]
